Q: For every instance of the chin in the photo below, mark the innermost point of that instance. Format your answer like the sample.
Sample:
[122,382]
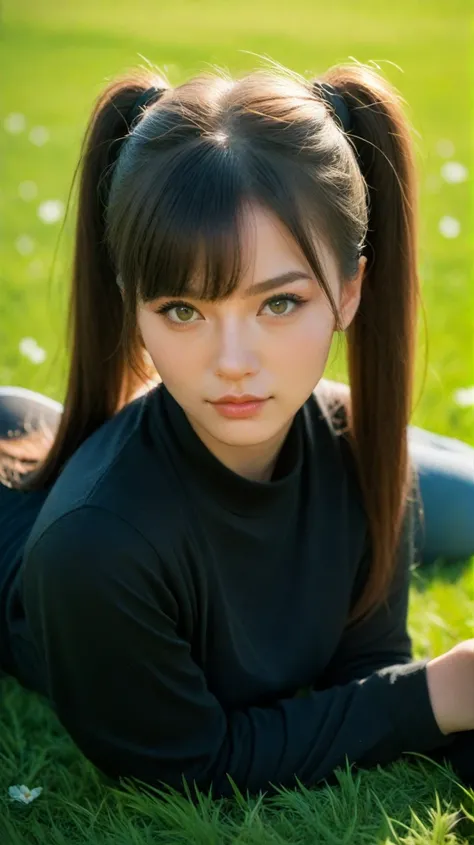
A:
[243,432]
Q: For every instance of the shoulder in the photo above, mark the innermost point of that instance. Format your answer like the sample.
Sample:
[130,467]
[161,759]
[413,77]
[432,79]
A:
[117,472]
[84,537]
[92,548]
[111,447]
[91,565]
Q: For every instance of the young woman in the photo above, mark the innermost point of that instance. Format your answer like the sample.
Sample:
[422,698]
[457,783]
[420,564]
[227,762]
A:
[207,575]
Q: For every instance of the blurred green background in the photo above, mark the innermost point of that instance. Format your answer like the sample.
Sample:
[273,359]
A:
[56,56]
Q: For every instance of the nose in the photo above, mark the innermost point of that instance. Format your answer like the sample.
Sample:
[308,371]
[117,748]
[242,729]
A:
[236,354]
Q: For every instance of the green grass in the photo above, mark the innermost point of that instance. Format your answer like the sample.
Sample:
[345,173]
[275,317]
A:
[55,58]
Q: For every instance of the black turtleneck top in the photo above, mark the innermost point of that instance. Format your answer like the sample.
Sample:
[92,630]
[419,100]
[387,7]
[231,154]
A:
[172,610]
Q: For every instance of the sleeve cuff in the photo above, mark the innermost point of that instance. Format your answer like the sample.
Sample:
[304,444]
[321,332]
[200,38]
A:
[411,710]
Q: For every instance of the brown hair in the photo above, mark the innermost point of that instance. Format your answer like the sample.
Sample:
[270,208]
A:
[270,137]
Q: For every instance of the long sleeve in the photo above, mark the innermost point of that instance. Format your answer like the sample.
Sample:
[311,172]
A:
[382,639]
[123,681]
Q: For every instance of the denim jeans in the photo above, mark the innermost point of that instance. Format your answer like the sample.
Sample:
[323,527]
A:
[445,468]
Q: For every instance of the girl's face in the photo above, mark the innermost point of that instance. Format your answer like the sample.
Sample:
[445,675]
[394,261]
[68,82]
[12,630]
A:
[268,340]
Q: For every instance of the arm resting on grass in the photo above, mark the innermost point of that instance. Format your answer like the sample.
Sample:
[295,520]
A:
[125,686]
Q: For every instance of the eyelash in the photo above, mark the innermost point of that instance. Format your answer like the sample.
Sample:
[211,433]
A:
[298,300]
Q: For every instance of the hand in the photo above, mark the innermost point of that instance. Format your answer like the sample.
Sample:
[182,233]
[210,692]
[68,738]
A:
[451,688]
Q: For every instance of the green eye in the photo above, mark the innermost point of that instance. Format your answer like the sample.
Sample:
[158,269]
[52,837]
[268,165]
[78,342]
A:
[185,311]
[279,306]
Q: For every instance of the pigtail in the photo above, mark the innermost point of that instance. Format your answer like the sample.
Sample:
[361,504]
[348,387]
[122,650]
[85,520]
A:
[382,337]
[104,371]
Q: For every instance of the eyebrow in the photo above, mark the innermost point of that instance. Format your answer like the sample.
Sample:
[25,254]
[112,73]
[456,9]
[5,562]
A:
[276,282]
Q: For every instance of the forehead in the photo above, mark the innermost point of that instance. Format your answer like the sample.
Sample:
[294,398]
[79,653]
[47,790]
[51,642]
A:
[266,240]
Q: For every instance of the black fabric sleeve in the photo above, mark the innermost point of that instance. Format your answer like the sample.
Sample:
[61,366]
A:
[382,639]
[124,684]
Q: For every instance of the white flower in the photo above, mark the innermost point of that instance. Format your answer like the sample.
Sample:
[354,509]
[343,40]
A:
[50,211]
[449,226]
[433,183]
[24,244]
[454,171]
[23,794]
[39,135]
[445,148]
[27,190]
[31,350]
[464,396]
[15,123]
[36,268]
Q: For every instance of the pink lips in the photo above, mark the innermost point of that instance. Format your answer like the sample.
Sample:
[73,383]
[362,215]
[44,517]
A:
[238,407]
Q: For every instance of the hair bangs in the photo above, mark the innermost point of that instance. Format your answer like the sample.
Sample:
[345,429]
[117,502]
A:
[188,230]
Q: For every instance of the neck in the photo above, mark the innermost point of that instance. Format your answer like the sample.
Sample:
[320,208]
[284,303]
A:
[255,462]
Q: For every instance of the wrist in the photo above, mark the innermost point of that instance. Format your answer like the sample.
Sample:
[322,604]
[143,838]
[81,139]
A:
[451,691]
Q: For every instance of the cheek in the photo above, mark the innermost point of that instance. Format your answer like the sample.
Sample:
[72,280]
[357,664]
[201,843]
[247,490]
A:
[153,340]
[310,339]
[173,357]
